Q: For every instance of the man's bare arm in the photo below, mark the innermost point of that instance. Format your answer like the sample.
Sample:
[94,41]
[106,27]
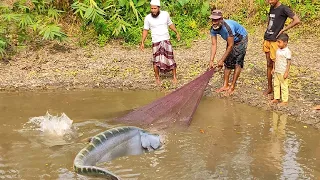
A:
[144,36]
[173,28]
[295,21]
[213,47]
[230,41]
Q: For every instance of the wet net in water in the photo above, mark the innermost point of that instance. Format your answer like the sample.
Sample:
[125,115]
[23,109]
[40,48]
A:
[176,107]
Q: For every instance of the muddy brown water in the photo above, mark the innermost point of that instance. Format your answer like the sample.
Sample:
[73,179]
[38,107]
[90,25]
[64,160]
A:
[224,141]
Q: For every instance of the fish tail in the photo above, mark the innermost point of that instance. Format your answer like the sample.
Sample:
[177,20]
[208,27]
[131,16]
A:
[95,171]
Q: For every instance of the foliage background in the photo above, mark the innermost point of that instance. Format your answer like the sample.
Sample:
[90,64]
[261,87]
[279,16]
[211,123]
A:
[33,22]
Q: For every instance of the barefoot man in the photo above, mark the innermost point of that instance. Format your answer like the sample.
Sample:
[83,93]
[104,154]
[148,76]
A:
[278,15]
[158,21]
[233,58]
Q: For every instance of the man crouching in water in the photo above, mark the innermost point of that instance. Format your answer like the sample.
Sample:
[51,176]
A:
[158,21]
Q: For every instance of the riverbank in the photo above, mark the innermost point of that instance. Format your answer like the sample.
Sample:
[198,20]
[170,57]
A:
[67,66]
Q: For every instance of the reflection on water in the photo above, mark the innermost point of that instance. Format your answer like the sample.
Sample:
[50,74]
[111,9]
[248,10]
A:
[278,124]
[277,137]
[224,141]
[284,148]
[291,168]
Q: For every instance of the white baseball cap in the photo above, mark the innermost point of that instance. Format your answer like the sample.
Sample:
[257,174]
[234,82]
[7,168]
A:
[155,2]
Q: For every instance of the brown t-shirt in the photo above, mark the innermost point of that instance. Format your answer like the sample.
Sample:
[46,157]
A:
[277,19]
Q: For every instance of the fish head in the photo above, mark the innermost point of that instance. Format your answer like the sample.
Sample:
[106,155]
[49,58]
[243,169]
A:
[150,141]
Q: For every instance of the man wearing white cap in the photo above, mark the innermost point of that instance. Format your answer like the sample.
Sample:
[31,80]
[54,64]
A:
[158,21]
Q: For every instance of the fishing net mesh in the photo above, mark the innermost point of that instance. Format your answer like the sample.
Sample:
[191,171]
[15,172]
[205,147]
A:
[176,107]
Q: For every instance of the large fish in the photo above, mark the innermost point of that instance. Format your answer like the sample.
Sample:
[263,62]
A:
[113,143]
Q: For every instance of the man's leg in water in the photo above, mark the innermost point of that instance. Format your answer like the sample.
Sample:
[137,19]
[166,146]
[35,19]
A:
[236,75]
[269,75]
[226,80]
[156,74]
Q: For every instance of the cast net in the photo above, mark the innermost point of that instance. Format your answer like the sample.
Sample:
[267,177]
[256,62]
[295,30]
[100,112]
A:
[176,107]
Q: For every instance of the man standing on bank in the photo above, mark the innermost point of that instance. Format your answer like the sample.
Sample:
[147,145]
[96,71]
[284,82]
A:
[158,21]
[278,15]
[233,58]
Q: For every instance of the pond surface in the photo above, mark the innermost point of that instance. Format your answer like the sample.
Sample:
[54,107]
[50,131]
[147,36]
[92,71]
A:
[224,141]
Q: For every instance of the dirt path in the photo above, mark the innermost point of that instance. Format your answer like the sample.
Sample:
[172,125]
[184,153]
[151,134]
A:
[67,66]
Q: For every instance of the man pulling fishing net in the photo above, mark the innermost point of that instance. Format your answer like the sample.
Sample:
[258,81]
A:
[233,57]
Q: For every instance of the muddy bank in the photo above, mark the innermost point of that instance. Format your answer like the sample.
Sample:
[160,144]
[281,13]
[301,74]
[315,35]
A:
[66,66]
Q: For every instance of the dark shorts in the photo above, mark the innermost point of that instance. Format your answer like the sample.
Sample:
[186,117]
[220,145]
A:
[237,54]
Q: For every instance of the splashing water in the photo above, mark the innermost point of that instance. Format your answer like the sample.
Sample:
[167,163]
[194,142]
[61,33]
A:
[54,125]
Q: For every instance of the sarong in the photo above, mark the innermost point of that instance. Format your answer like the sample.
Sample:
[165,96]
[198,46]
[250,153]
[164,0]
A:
[163,56]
